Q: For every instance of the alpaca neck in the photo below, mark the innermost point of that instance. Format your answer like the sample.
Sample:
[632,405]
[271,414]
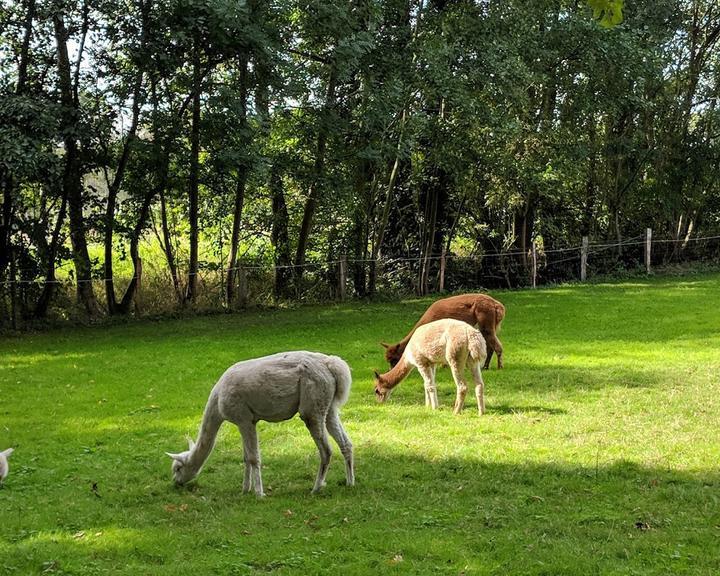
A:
[206,437]
[404,342]
[397,373]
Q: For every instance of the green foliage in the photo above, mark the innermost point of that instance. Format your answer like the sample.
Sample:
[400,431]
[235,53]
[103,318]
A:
[408,123]
[598,453]
[607,12]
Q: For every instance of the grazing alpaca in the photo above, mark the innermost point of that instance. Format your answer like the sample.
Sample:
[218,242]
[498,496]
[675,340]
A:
[447,341]
[4,466]
[479,310]
[274,388]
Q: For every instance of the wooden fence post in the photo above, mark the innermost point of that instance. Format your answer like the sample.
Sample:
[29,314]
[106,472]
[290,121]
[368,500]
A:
[534,264]
[441,287]
[648,248]
[342,276]
[583,259]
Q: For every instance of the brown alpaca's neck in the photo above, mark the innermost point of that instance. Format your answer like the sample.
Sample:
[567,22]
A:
[397,374]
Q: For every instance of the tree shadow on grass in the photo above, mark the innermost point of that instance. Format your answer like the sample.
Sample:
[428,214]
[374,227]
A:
[502,409]
[433,515]
[536,379]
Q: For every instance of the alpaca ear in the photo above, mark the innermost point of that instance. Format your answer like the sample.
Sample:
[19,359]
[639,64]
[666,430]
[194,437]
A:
[179,457]
[7,452]
[191,442]
[386,346]
[376,374]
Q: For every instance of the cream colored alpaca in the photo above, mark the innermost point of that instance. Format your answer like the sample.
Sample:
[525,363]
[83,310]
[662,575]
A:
[4,466]
[274,388]
[446,341]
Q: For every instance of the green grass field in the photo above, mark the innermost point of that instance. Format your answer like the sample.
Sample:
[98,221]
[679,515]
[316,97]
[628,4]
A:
[598,455]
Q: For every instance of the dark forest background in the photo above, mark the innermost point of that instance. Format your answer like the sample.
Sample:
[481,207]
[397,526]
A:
[259,150]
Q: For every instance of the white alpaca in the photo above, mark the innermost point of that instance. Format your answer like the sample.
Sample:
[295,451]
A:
[446,341]
[274,388]
[4,466]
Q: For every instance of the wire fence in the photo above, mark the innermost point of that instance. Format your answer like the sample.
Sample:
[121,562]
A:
[257,282]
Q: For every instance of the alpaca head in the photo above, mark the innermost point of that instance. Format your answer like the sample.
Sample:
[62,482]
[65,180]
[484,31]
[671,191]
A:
[382,390]
[181,470]
[392,353]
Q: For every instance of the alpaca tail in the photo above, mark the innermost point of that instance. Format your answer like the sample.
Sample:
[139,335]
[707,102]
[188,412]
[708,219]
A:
[477,346]
[499,315]
[343,380]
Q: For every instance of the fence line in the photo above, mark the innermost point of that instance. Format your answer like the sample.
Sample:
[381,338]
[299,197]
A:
[590,249]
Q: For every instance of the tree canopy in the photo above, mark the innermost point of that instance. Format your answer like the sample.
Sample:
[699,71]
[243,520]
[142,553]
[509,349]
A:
[230,134]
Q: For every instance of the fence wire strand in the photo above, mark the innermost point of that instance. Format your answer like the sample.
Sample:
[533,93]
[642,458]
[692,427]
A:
[592,249]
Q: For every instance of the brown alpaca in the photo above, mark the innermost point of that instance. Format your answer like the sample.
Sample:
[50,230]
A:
[479,310]
[446,341]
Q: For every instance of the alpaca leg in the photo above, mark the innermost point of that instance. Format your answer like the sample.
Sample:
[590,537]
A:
[428,376]
[457,372]
[316,426]
[247,476]
[428,397]
[493,345]
[488,357]
[251,451]
[337,431]
[479,387]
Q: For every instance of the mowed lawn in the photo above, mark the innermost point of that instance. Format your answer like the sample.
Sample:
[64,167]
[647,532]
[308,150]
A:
[599,452]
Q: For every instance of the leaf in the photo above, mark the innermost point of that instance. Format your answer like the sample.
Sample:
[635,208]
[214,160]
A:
[607,12]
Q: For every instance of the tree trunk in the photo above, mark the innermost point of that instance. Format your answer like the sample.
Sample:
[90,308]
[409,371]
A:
[364,191]
[168,249]
[123,307]
[194,183]
[25,48]
[113,191]
[114,187]
[6,180]
[591,186]
[235,238]
[280,237]
[72,177]
[50,285]
[524,221]
[384,219]
[242,171]
[317,176]
[379,235]
[6,221]
[428,236]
